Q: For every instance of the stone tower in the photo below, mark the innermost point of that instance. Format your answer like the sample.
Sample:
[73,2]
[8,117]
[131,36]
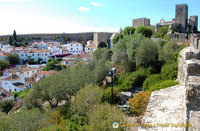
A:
[182,17]
[141,22]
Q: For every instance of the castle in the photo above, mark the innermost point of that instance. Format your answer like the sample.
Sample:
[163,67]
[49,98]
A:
[180,25]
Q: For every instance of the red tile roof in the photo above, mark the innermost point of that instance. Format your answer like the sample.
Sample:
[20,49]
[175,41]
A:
[13,77]
[45,73]
[5,94]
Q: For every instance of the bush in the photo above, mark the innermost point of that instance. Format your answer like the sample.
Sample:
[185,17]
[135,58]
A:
[169,71]
[129,81]
[102,117]
[86,99]
[6,106]
[151,80]
[162,85]
[145,30]
[107,95]
[138,104]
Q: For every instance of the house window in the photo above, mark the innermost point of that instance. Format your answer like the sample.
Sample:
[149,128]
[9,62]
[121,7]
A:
[22,55]
[33,71]
[77,48]
[77,44]
[27,73]
[71,48]
[32,54]
[45,54]
[38,54]
[15,90]
[71,45]
[25,54]
[10,90]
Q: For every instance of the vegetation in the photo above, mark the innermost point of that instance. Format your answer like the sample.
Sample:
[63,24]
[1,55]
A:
[4,64]
[6,106]
[13,59]
[138,104]
[161,33]
[145,30]
[162,85]
[102,45]
[129,30]
[116,38]
[103,116]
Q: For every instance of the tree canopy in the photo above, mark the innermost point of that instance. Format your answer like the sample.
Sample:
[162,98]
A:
[13,59]
[145,30]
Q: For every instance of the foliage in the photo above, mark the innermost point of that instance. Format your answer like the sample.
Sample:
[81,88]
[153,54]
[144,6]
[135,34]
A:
[116,38]
[127,82]
[161,32]
[169,71]
[21,94]
[162,85]
[145,30]
[4,64]
[102,117]
[151,80]
[125,49]
[102,45]
[107,95]
[39,60]
[6,106]
[86,99]
[10,41]
[138,104]
[13,59]
[129,30]
[29,120]
[52,65]
[146,53]
[166,50]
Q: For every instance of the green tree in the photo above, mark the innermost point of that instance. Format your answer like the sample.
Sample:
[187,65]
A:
[4,64]
[10,40]
[145,30]
[161,32]
[39,60]
[13,59]
[116,38]
[6,106]
[103,116]
[86,99]
[102,45]
[146,53]
[30,120]
[128,31]
[15,38]
[125,49]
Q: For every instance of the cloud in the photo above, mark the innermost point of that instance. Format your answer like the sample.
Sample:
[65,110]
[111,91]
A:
[97,4]
[16,0]
[83,9]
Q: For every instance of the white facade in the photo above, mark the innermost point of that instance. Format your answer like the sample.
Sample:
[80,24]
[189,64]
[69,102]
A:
[75,48]
[111,38]
[90,48]
[33,54]
[3,56]
[14,83]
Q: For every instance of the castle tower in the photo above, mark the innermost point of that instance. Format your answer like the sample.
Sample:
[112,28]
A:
[193,21]
[182,17]
[141,22]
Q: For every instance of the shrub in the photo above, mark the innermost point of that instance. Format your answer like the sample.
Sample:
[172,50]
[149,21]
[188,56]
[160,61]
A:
[102,117]
[6,106]
[169,71]
[145,30]
[162,85]
[135,79]
[107,95]
[151,80]
[138,104]
[86,99]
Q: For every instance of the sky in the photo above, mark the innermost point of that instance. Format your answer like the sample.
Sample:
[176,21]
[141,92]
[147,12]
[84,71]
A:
[71,16]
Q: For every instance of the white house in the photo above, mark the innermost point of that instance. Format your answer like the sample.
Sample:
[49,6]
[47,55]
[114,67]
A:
[68,60]
[14,83]
[90,48]
[75,47]
[5,95]
[6,48]
[25,55]
[40,45]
